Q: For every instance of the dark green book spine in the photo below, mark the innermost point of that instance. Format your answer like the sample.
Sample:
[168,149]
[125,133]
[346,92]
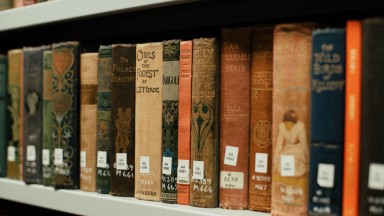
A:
[171,61]
[3,115]
[103,138]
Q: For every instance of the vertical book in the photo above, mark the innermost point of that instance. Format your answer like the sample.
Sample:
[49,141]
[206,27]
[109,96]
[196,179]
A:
[3,115]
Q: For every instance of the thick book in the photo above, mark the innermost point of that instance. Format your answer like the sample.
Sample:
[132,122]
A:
[123,82]
[47,156]
[103,134]
[184,131]
[148,124]
[260,146]
[88,117]
[15,87]
[372,117]
[327,122]
[235,80]
[291,106]
[205,123]
[66,114]
[33,113]
[4,123]
[171,65]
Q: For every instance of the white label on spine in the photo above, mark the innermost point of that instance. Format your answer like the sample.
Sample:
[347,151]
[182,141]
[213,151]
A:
[83,159]
[326,175]
[144,164]
[198,170]
[230,157]
[287,165]
[121,161]
[376,176]
[31,153]
[183,172]
[231,180]
[261,163]
[167,165]
[58,156]
[11,153]
[46,157]
[101,159]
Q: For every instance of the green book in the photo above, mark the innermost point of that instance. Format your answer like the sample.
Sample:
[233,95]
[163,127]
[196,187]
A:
[3,115]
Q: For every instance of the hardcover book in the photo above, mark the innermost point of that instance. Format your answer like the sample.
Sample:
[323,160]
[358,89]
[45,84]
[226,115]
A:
[66,114]
[291,109]
[4,123]
[123,115]
[260,152]
[327,122]
[148,124]
[88,115]
[235,71]
[205,123]
[372,116]
[33,113]
[103,139]
[5,4]
[184,131]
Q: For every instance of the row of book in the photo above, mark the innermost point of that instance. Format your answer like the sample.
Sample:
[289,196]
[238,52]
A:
[278,118]
[8,4]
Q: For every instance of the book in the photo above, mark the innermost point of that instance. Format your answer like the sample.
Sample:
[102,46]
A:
[372,103]
[235,83]
[351,169]
[66,114]
[148,124]
[184,131]
[29,2]
[171,66]
[33,113]
[4,123]
[47,156]
[103,135]
[5,4]
[123,115]
[291,106]
[15,89]
[327,122]
[205,123]
[17,3]
[88,120]
[260,146]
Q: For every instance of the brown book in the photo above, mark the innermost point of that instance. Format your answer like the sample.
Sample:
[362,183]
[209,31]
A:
[88,114]
[260,154]
[205,123]
[291,118]
[235,71]
[184,135]
[148,127]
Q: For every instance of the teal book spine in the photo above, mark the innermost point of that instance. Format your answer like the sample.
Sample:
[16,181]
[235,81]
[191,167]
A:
[3,115]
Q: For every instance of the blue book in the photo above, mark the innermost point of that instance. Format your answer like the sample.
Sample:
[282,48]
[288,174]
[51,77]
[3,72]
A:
[327,121]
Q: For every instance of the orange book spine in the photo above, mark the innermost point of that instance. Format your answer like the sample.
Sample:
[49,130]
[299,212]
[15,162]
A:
[184,135]
[352,119]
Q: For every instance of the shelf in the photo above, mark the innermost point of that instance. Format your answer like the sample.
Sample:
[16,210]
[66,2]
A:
[92,203]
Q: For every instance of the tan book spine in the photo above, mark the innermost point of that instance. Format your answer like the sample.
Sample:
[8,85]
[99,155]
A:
[291,118]
[235,69]
[148,125]
[88,115]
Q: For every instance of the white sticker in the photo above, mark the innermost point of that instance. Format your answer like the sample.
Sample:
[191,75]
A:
[83,159]
[198,170]
[287,165]
[11,153]
[58,156]
[31,153]
[230,157]
[261,163]
[46,157]
[144,164]
[326,175]
[183,172]
[167,165]
[121,161]
[376,176]
[231,180]
[102,159]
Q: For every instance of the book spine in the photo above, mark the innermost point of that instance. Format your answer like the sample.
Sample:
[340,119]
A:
[327,121]
[47,119]
[5,4]
[4,123]
[65,114]
[17,3]
[352,121]
[260,157]
[88,116]
[184,132]
[372,117]
[171,65]
[29,2]
[103,139]
[123,115]
[291,118]
[235,69]
[14,149]
[205,123]
[148,127]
